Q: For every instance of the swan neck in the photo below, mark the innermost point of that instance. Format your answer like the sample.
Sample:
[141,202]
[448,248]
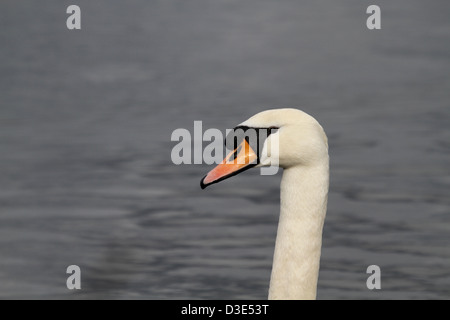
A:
[304,193]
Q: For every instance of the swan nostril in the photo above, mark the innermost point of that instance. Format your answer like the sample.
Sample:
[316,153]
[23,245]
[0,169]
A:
[233,156]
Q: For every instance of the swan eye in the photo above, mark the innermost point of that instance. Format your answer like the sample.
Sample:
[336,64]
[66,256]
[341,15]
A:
[271,130]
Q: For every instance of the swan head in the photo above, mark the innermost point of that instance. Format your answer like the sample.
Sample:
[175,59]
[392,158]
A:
[290,137]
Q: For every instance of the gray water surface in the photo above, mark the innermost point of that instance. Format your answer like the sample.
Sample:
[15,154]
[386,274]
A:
[86,119]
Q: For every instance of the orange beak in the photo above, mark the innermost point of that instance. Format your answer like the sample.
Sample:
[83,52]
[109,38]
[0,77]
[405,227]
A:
[241,159]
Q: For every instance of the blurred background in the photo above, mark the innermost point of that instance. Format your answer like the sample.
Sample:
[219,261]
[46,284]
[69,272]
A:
[86,119]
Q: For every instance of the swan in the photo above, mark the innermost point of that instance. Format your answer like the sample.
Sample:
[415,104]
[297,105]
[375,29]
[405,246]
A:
[300,147]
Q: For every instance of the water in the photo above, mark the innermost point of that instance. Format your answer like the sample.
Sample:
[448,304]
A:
[86,118]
